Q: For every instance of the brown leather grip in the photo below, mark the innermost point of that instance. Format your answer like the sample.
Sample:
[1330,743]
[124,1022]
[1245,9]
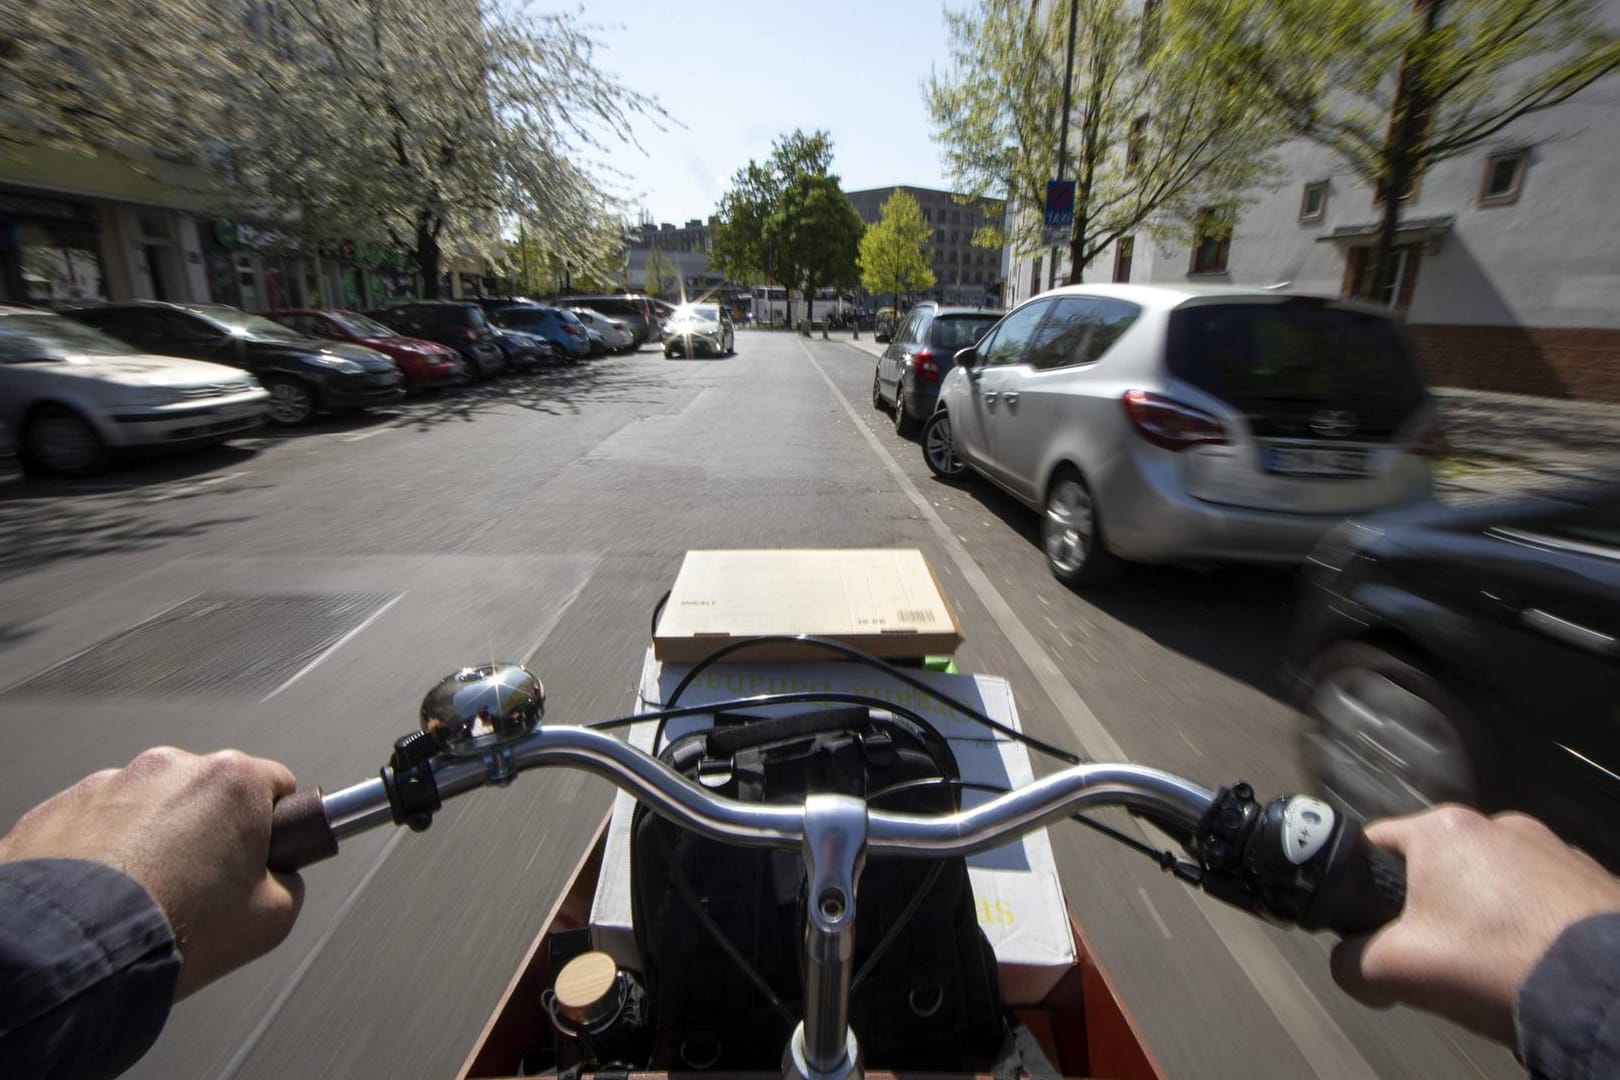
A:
[299,832]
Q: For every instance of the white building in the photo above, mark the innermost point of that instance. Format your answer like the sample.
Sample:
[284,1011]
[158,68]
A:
[1509,257]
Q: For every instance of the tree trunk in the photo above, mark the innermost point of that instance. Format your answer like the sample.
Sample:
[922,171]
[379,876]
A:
[1403,152]
[427,258]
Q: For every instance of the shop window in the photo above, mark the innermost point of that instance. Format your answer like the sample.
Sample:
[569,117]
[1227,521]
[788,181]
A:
[1504,176]
[55,271]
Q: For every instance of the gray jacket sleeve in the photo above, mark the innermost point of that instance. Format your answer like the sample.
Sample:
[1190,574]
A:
[1569,1008]
[87,969]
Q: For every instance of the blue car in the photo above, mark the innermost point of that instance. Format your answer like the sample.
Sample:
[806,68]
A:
[563,329]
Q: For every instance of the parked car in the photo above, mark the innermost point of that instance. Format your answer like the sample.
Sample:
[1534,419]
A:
[635,311]
[524,351]
[424,364]
[918,356]
[74,396]
[699,330]
[565,332]
[10,463]
[459,324]
[304,375]
[1469,654]
[615,334]
[1177,423]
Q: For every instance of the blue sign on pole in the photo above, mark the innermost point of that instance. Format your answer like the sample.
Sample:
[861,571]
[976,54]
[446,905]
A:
[1059,212]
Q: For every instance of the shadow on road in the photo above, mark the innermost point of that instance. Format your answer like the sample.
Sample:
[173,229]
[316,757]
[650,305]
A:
[1232,618]
[556,390]
[132,473]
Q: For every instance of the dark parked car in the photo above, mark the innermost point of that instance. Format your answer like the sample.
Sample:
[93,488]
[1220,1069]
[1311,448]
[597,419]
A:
[459,324]
[918,356]
[423,363]
[524,352]
[638,313]
[562,329]
[304,375]
[1470,654]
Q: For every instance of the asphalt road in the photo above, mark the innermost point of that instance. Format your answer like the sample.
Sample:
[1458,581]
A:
[540,519]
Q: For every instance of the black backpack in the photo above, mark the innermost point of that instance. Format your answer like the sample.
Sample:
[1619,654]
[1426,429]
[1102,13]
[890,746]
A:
[720,928]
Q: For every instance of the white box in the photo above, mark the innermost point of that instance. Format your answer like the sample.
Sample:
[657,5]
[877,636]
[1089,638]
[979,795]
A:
[1015,887]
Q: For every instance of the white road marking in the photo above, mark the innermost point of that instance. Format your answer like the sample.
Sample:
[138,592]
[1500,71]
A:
[285,994]
[181,489]
[1320,1040]
[1153,911]
[1066,639]
[556,616]
[332,648]
[1189,743]
[367,434]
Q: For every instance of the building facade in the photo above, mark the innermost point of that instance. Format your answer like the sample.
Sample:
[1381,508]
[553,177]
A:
[1507,268]
[963,274]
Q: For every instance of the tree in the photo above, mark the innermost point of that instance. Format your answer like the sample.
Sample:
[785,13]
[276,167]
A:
[1394,87]
[740,241]
[893,250]
[660,276]
[1154,135]
[816,236]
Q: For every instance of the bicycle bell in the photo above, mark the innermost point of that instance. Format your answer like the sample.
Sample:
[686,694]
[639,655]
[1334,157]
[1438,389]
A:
[480,708]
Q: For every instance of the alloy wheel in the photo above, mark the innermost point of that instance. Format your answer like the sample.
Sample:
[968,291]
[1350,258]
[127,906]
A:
[290,403]
[63,443]
[1070,526]
[938,452]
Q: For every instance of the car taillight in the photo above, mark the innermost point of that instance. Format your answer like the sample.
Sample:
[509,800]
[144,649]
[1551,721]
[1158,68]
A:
[1430,441]
[469,334]
[1170,424]
[570,328]
[924,363]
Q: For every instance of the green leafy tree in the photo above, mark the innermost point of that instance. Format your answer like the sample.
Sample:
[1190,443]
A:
[816,236]
[1396,86]
[1153,135]
[894,250]
[660,276]
[740,239]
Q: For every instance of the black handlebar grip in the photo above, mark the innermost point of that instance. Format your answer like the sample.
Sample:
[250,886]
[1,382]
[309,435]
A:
[299,832]
[1362,888]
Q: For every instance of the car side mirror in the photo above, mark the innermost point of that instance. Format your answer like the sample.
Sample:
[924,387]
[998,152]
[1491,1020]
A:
[966,359]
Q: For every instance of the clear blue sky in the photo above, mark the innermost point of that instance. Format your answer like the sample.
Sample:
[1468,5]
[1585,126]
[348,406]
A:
[739,74]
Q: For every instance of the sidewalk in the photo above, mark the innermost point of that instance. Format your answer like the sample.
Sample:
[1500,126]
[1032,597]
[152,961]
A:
[1501,444]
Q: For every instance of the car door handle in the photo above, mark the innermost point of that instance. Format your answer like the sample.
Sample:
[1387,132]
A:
[1574,634]
[1010,397]
[990,396]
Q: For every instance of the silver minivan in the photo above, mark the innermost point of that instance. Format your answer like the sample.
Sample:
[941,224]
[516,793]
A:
[1181,423]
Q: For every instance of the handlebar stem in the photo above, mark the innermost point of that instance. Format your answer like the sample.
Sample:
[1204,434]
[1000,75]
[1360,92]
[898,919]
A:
[834,854]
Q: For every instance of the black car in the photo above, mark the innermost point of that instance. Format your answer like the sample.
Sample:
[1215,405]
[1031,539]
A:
[1470,654]
[524,352]
[460,324]
[919,353]
[304,375]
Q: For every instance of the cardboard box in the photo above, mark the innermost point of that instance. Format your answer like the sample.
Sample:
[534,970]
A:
[1015,887]
[883,600]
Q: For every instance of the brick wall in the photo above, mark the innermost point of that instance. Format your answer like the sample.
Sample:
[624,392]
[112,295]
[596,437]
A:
[1548,361]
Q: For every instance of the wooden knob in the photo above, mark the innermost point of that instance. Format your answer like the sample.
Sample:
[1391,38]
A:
[586,988]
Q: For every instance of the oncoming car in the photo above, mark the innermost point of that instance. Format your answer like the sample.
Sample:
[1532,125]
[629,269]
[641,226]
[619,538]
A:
[699,330]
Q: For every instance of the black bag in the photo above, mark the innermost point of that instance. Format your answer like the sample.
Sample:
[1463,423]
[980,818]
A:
[706,913]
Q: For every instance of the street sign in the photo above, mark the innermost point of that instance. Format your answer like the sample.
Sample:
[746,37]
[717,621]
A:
[1059,220]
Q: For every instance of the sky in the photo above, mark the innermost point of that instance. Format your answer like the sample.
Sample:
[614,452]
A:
[736,75]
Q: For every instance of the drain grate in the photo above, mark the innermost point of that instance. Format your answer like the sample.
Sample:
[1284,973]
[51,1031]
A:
[230,645]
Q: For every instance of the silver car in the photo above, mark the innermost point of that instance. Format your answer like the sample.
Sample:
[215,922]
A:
[699,329]
[1176,423]
[72,395]
[615,335]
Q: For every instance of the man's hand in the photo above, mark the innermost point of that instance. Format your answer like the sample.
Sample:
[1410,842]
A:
[195,831]
[1485,899]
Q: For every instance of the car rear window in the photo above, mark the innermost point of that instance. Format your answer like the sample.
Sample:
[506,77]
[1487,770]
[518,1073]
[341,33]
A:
[1283,364]
[953,332]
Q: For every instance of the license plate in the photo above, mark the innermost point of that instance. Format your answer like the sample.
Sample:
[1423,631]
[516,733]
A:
[1302,461]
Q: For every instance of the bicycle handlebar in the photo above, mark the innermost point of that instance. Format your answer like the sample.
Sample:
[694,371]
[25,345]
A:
[1294,861]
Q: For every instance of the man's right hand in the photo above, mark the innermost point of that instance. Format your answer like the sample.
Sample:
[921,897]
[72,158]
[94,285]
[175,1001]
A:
[1485,899]
[195,832]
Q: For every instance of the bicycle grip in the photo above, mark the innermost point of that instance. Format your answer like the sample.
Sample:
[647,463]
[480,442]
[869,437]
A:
[299,832]
[1363,887]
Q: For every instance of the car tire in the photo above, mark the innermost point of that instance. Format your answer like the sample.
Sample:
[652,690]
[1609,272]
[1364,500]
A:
[292,402]
[905,425]
[60,442]
[939,453]
[1072,533]
[1382,736]
[877,392]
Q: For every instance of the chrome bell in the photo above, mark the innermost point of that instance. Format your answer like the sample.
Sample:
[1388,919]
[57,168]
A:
[478,709]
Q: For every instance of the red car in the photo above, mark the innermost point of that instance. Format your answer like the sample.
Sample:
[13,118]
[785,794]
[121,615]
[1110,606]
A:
[423,363]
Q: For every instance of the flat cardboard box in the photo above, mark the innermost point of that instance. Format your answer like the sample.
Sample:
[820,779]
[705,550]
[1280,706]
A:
[1015,887]
[883,600]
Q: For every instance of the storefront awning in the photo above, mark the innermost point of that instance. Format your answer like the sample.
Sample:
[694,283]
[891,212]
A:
[1410,231]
